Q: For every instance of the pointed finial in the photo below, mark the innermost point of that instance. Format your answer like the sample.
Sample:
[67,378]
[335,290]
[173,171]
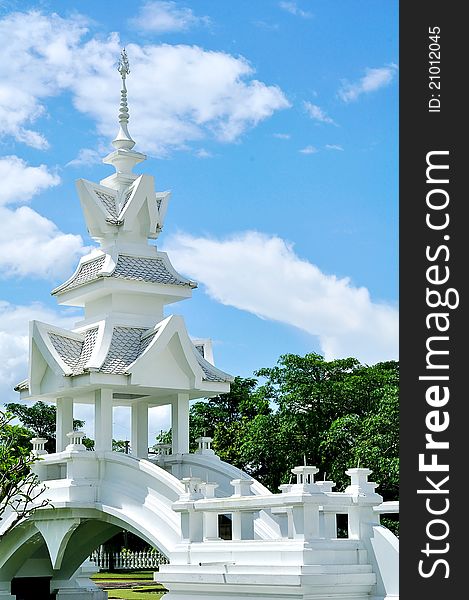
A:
[123,140]
[123,65]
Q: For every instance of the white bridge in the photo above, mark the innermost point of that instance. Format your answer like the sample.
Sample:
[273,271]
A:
[225,535]
[279,545]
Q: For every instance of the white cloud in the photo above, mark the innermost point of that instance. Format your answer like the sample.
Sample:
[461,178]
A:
[308,150]
[282,136]
[202,153]
[294,9]
[85,158]
[177,94]
[165,16]
[263,275]
[37,53]
[334,147]
[14,336]
[318,114]
[20,182]
[373,80]
[31,245]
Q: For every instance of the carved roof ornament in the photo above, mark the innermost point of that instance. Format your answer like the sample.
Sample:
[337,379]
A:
[123,139]
[123,65]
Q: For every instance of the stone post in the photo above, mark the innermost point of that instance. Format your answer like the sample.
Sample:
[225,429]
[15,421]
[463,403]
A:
[38,446]
[327,516]
[210,519]
[191,520]
[205,446]
[303,514]
[162,450]
[305,477]
[76,441]
[242,487]
[242,520]
[361,515]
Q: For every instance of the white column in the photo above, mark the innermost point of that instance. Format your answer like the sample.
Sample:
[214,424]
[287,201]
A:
[139,433]
[63,422]
[180,424]
[103,419]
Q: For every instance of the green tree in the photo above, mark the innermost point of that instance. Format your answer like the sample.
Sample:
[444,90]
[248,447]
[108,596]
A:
[226,416]
[19,487]
[121,446]
[312,394]
[40,418]
[330,414]
[327,413]
[371,441]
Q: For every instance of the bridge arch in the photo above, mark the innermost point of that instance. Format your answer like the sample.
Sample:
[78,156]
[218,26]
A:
[93,496]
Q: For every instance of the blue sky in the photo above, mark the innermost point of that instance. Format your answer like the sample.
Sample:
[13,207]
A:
[275,126]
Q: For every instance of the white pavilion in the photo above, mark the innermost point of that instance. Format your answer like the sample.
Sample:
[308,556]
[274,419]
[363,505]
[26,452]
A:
[124,352]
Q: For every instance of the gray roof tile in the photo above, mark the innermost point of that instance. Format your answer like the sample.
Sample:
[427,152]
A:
[135,268]
[69,349]
[126,346]
[200,349]
[211,373]
[88,271]
[91,336]
[109,203]
[152,270]
[75,353]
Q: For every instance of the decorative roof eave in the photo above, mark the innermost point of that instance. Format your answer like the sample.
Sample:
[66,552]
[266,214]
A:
[214,388]
[95,262]
[154,270]
[80,386]
[22,386]
[40,336]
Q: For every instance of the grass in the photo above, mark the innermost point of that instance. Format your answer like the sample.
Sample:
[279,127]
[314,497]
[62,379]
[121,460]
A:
[124,575]
[145,593]
[149,592]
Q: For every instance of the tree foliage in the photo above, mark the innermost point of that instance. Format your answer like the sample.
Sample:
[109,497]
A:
[19,486]
[40,419]
[332,414]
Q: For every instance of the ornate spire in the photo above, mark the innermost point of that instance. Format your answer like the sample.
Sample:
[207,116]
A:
[123,158]
[123,139]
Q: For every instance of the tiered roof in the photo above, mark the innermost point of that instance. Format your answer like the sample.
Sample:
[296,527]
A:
[115,283]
